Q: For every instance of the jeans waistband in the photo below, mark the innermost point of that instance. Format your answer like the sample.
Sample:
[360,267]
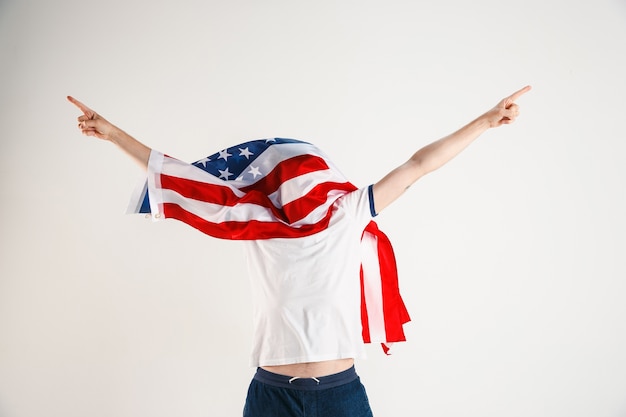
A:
[306,384]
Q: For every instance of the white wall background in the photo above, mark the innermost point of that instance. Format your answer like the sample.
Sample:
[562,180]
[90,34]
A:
[512,257]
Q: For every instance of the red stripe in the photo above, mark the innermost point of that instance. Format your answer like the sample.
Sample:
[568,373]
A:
[201,191]
[303,206]
[287,170]
[364,317]
[250,230]
[394,310]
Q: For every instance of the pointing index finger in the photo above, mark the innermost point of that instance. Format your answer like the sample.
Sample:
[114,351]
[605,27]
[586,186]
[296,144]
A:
[86,110]
[518,93]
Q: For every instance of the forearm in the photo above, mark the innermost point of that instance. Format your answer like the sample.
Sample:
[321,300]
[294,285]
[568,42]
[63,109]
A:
[137,151]
[425,160]
[435,155]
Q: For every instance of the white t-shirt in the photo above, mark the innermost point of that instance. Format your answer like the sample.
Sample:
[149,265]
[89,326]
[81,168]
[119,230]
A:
[306,291]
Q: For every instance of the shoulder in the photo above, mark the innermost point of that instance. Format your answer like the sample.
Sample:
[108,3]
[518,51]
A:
[359,201]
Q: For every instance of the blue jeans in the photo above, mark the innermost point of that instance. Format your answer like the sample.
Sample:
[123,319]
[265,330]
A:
[337,395]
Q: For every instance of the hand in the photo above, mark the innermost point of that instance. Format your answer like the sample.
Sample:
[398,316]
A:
[506,110]
[91,123]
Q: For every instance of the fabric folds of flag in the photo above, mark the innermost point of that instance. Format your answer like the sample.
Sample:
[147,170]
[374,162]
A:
[274,188]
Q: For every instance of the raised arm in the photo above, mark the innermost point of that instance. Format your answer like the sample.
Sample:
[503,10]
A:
[92,124]
[437,154]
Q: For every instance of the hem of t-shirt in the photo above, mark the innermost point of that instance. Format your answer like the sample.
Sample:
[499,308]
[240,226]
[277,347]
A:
[305,359]
[370,192]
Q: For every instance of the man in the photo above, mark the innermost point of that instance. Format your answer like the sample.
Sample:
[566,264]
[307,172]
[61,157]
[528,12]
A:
[303,257]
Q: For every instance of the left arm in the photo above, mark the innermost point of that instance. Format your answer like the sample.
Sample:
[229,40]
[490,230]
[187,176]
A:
[438,153]
[92,124]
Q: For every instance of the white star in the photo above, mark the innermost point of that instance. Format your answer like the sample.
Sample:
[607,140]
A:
[203,161]
[254,171]
[225,174]
[245,152]
[224,155]
[270,140]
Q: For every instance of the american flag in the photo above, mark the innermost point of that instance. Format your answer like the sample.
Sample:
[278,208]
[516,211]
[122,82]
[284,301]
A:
[276,188]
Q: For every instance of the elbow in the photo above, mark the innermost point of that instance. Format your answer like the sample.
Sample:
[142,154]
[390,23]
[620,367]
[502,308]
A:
[418,167]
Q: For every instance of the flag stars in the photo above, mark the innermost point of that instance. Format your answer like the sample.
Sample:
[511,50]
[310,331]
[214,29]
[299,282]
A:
[224,155]
[225,174]
[245,152]
[203,161]
[254,171]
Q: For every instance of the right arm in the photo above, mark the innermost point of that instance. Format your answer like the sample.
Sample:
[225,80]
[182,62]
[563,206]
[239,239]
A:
[92,124]
[437,154]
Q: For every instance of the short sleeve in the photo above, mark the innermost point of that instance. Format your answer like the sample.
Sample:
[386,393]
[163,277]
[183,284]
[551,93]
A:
[358,205]
[140,201]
